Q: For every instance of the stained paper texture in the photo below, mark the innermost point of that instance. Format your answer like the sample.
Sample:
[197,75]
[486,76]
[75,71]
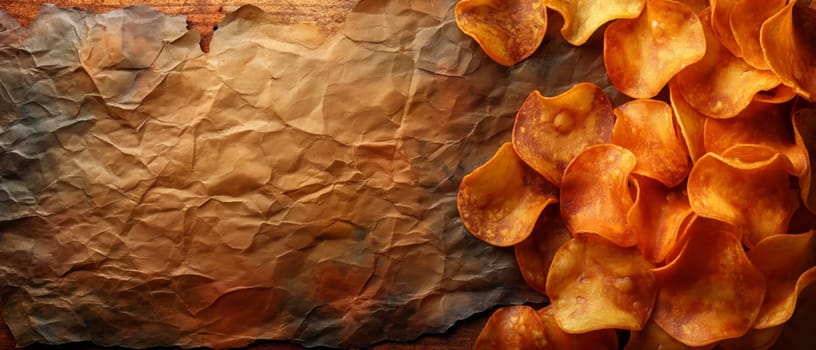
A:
[290,184]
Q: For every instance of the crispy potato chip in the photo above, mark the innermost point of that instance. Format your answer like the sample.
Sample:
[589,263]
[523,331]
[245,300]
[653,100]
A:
[755,339]
[746,20]
[594,284]
[780,94]
[694,225]
[646,127]
[788,40]
[761,123]
[786,274]
[595,193]
[721,85]
[657,218]
[584,17]
[710,292]
[690,123]
[507,30]
[651,337]
[804,128]
[500,201]
[550,131]
[535,253]
[798,331]
[748,187]
[512,327]
[642,54]
[602,339]
[721,24]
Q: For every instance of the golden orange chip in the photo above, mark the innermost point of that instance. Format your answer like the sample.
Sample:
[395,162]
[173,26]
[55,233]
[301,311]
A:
[746,20]
[721,25]
[710,292]
[797,334]
[657,218]
[584,17]
[721,85]
[550,131]
[535,253]
[804,127]
[789,265]
[594,284]
[595,193]
[761,123]
[507,30]
[513,327]
[755,339]
[788,40]
[651,337]
[646,127]
[698,225]
[603,339]
[690,123]
[500,201]
[780,94]
[642,54]
[747,187]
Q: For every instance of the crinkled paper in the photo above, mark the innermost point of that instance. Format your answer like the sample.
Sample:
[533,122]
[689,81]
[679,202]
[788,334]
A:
[289,184]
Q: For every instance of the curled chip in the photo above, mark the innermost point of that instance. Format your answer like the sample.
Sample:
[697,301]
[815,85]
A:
[804,127]
[583,17]
[507,30]
[603,339]
[746,20]
[652,337]
[721,24]
[513,327]
[594,284]
[535,253]
[657,218]
[761,123]
[710,292]
[721,85]
[789,265]
[550,131]
[755,339]
[747,187]
[642,54]
[646,127]
[595,193]
[500,201]
[780,94]
[788,39]
[690,122]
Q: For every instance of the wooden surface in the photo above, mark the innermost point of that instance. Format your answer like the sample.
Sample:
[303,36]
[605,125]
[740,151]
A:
[204,15]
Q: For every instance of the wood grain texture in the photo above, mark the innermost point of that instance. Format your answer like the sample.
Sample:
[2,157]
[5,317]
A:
[204,15]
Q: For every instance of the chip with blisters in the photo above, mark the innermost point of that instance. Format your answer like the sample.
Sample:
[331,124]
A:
[513,327]
[584,17]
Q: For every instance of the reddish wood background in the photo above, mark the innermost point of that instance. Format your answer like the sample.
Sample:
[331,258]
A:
[203,15]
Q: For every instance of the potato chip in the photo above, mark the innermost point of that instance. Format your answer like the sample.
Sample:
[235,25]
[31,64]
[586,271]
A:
[595,193]
[721,25]
[642,54]
[500,201]
[721,85]
[797,334]
[761,123]
[747,187]
[651,337]
[594,284]
[780,94]
[755,339]
[507,30]
[657,218]
[535,253]
[646,127]
[550,131]
[690,123]
[710,292]
[746,20]
[584,17]
[789,265]
[804,127]
[512,327]
[602,339]
[788,40]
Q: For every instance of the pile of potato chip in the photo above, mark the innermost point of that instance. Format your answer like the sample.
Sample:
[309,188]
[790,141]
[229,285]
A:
[686,219]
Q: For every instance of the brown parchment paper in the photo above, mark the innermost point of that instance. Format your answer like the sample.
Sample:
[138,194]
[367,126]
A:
[289,184]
